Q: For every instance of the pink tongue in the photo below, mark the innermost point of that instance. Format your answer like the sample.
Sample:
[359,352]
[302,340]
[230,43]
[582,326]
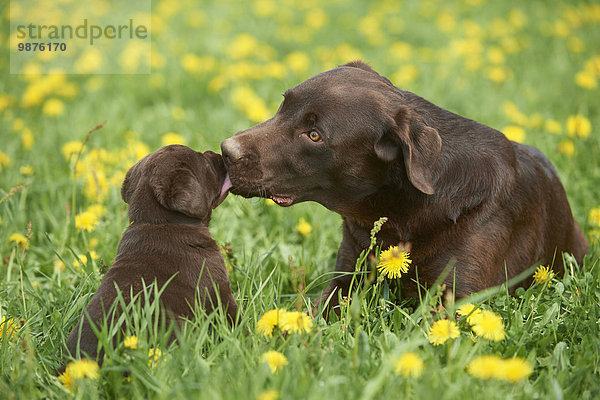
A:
[224,190]
[226,186]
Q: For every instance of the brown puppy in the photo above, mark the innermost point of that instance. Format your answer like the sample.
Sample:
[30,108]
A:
[456,189]
[171,194]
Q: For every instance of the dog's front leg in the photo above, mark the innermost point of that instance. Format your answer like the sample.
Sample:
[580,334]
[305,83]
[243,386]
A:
[354,241]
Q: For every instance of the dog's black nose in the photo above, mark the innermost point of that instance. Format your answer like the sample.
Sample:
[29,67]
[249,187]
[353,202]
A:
[231,150]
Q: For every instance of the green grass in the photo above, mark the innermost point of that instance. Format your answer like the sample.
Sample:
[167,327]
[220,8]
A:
[555,327]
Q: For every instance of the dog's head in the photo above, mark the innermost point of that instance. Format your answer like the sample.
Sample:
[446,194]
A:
[333,140]
[172,182]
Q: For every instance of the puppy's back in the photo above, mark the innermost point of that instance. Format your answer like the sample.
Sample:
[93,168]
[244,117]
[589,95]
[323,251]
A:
[185,256]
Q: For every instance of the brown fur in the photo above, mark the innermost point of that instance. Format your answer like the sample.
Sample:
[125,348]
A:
[452,187]
[171,194]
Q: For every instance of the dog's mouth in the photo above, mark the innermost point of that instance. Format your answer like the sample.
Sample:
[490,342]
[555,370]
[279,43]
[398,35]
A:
[224,190]
[247,189]
[282,201]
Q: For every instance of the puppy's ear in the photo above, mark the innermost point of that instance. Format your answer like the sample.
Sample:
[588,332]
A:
[132,180]
[420,145]
[180,190]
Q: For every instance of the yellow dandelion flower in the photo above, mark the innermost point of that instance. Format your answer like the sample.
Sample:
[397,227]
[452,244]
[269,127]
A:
[96,185]
[295,322]
[446,22]
[298,62]
[553,126]
[495,55]
[59,266]
[83,369]
[86,221]
[131,342]
[275,360]
[263,8]
[515,369]
[26,170]
[316,18]
[485,367]
[543,274]
[172,138]
[594,216]
[67,381]
[155,356]
[401,50]
[586,80]
[514,133]
[578,125]
[247,101]
[468,310]
[516,18]
[566,147]
[27,139]
[303,227]
[53,107]
[409,365]
[5,101]
[19,240]
[71,149]
[514,114]
[4,160]
[405,75]
[77,370]
[191,63]
[488,325]
[269,395]
[497,74]
[267,323]
[8,327]
[441,331]
[393,262]
[242,46]
[81,260]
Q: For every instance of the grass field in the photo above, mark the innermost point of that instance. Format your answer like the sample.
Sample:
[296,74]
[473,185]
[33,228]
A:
[530,69]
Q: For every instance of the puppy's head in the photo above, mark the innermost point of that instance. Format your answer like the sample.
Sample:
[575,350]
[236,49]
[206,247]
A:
[334,140]
[174,181]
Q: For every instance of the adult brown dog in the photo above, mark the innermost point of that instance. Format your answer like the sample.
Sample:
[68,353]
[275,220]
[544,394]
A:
[454,188]
[171,194]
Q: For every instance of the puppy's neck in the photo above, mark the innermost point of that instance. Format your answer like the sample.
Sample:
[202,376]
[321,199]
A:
[155,214]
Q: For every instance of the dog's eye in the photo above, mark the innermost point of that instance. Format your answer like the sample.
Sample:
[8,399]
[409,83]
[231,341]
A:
[314,136]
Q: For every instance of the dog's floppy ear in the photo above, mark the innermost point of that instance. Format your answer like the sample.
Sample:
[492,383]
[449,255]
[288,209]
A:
[180,190]
[420,145]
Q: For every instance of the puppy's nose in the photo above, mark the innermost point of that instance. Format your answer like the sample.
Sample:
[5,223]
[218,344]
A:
[231,150]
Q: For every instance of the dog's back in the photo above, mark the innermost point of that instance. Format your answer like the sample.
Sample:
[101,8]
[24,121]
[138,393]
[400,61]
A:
[167,243]
[183,255]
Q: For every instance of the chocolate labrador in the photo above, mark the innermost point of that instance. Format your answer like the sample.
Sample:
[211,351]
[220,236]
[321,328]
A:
[171,194]
[457,190]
